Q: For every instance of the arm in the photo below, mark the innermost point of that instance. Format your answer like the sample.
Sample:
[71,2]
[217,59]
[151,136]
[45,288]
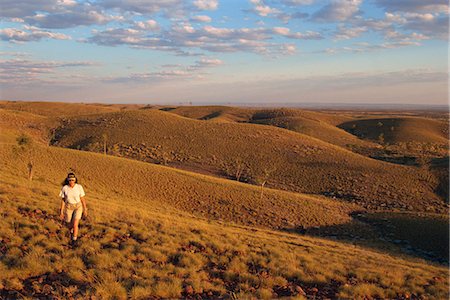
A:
[83,201]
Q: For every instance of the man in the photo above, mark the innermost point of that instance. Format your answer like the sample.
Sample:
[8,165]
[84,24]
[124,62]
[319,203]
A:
[73,205]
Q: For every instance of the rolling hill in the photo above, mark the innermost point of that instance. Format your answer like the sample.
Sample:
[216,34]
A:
[198,194]
[159,232]
[60,109]
[143,241]
[285,159]
[399,129]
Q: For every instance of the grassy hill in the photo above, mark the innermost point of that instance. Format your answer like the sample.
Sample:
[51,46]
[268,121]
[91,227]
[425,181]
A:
[318,125]
[60,109]
[14,123]
[400,129]
[213,113]
[198,194]
[287,160]
[142,241]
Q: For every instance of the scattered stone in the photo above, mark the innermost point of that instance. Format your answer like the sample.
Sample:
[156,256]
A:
[299,290]
[189,290]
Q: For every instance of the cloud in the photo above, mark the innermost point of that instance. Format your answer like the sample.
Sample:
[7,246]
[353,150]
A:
[25,8]
[297,2]
[363,47]
[23,71]
[56,13]
[337,10]
[143,7]
[433,26]
[346,33]
[68,19]
[169,72]
[414,5]
[262,9]
[286,32]
[29,34]
[206,4]
[209,38]
[147,25]
[208,62]
[201,18]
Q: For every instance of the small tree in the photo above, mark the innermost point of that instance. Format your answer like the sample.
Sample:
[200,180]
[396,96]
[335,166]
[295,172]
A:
[105,140]
[261,178]
[25,149]
[236,169]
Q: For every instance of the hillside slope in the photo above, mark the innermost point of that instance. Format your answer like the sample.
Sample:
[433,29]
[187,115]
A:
[318,125]
[138,248]
[171,189]
[57,109]
[14,123]
[286,159]
[400,129]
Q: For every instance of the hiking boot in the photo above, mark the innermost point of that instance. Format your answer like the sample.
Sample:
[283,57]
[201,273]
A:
[75,243]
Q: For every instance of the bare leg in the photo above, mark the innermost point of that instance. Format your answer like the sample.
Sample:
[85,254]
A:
[75,227]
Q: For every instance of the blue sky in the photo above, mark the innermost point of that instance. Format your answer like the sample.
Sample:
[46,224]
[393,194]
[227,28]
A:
[217,51]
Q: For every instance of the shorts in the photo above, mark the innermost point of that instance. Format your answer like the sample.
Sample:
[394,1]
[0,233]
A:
[73,211]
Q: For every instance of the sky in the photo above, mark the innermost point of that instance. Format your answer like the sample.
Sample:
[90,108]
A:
[225,51]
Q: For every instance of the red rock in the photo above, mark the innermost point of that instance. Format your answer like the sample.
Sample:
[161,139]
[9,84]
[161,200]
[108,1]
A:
[47,289]
[189,290]
[299,290]
[314,290]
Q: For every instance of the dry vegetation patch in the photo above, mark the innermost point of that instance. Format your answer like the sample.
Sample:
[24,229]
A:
[129,252]
[294,161]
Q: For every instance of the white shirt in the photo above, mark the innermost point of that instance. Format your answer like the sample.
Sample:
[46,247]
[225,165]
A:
[72,195]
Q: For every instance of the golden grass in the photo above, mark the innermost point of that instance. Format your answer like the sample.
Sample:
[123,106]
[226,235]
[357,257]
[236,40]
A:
[400,129]
[292,161]
[158,187]
[59,109]
[163,254]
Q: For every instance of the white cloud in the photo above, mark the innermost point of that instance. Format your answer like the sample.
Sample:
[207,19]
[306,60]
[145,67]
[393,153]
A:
[363,47]
[421,6]
[29,34]
[346,33]
[143,6]
[170,72]
[206,4]
[24,71]
[147,25]
[337,10]
[297,2]
[201,18]
[262,9]
[209,38]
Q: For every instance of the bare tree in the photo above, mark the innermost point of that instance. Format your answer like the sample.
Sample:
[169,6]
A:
[105,140]
[236,168]
[261,177]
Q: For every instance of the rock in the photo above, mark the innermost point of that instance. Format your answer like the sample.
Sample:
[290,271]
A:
[47,289]
[189,290]
[299,290]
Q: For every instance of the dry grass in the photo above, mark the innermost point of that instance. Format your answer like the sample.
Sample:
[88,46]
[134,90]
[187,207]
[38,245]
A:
[400,129]
[142,252]
[149,185]
[297,162]
[60,109]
